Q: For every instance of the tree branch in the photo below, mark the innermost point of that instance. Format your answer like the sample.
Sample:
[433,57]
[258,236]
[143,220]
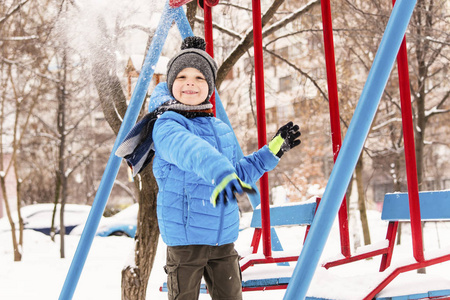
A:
[222,29]
[245,44]
[298,70]
[437,109]
[15,9]
[290,18]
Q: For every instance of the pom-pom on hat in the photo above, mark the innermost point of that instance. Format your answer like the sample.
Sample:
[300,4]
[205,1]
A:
[193,55]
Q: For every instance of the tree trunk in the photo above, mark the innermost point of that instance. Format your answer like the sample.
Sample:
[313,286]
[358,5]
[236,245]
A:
[135,278]
[361,200]
[397,188]
[17,253]
[61,119]
[422,20]
[191,11]
[55,203]
[113,103]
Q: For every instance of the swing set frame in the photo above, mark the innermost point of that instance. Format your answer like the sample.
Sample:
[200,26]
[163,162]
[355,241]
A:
[345,155]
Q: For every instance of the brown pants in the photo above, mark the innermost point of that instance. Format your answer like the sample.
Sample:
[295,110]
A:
[219,265]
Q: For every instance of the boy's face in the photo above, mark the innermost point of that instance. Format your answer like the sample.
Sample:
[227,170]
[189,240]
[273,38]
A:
[190,87]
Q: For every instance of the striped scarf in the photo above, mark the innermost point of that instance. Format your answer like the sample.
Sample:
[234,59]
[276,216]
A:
[137,148]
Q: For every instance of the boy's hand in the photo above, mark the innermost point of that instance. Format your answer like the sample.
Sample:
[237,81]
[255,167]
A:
[229,185]
[285,139]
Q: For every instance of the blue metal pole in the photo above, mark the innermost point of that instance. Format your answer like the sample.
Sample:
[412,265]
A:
[113,164]
[351,149]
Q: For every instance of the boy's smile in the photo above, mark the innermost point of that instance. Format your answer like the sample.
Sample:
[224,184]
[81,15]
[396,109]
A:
[190,87]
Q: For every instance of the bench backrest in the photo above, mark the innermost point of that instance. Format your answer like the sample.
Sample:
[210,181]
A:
[433,206]
[298,214]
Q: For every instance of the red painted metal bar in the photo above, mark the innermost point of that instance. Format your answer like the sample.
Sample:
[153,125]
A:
[410,154]
[261,119]
[268,260]
[256,239]
[355,258]
[386,252]
[308,227]
[178,3]
[390,236]
[265,288]
[403,269]
[334,115]
[209,42]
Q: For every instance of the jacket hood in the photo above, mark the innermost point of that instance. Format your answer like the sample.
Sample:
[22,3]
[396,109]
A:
[159,96]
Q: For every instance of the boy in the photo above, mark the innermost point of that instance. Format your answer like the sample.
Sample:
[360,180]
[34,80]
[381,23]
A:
[197,172]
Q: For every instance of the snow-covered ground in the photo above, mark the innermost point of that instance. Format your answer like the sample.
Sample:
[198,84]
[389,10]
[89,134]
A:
[41,273]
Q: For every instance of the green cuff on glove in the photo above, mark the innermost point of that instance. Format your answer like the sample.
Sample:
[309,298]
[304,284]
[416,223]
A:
[275,144]
[223,184]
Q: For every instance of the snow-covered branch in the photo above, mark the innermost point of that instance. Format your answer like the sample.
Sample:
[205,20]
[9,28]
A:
[429,38]
[387,122]
[438,108]
[19,38]
[236,6]
[222,29]
[435,111]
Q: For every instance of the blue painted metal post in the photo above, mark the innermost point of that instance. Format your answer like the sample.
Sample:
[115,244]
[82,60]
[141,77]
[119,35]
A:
[113,164]
[351,149]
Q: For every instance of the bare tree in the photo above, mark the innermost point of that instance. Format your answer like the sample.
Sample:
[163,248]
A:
[21,89]
[113,101]
[22,109]
[431,45]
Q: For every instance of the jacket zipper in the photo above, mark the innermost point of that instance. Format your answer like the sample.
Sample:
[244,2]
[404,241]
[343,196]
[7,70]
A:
[222,207]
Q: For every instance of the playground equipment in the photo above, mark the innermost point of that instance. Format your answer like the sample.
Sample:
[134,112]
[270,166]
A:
[319,217]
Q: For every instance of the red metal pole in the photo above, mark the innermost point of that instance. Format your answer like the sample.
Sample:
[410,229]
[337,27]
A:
[410,154]
[404,269]
[334,115]
[261,119]
[209,42]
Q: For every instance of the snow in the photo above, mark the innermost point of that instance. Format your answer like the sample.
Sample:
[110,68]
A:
[42,272]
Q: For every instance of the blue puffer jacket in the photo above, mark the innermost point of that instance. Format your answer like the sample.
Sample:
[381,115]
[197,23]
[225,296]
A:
[191,155]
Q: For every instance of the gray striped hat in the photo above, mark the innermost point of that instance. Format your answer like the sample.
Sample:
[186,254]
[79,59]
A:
[193,55]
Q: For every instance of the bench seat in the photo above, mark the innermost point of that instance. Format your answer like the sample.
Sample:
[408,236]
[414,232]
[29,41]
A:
[434,206]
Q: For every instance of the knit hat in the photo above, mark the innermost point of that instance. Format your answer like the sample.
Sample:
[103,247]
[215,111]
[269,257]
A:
[193,55]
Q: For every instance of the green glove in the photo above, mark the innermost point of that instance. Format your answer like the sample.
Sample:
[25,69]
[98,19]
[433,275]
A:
[285,139]
[229,185]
